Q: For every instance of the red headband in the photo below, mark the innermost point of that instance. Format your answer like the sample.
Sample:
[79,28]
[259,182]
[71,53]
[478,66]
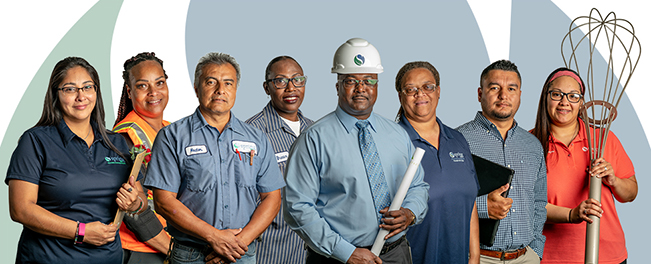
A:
[571,74]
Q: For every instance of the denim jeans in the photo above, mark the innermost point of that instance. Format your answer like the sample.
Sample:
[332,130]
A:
[182,254]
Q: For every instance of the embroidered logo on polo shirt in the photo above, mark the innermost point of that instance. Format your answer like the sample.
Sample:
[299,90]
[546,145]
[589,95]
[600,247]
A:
[457,157]
[194,150]
[585,149]
[281,156]
[114,160]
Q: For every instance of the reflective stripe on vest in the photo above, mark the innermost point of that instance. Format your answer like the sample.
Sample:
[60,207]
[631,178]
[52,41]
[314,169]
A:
[139,132]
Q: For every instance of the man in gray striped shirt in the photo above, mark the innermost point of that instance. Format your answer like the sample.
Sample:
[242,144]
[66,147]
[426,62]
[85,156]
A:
[494,135]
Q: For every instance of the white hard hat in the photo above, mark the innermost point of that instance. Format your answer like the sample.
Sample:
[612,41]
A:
[357,56]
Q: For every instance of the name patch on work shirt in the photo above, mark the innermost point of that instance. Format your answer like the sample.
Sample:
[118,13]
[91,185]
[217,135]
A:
[244,146]
[457,157]
[281,156]
[194,150]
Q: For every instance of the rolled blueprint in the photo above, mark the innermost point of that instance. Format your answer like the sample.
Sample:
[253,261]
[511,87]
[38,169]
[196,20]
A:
[400,196]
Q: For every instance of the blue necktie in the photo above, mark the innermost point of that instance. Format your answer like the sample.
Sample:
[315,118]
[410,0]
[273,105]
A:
[376,179]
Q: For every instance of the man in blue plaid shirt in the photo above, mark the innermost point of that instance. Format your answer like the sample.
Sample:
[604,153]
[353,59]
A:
[494,135]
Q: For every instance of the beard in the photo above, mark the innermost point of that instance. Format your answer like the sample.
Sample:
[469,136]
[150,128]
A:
[500,115]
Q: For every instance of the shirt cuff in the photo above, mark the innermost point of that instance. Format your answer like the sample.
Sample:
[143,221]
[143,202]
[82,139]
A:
[343,251]
[482,207]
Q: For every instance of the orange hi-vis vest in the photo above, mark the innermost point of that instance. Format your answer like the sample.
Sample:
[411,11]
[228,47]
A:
[140,133]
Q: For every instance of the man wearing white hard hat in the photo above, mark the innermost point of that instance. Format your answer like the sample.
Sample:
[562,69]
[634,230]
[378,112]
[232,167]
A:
[344,170]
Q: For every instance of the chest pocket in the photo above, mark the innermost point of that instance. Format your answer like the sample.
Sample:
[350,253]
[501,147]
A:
[245,173]
[530,163]
[200,173]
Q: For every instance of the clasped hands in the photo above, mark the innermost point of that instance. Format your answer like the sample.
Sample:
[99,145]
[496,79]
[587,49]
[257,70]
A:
[227,247]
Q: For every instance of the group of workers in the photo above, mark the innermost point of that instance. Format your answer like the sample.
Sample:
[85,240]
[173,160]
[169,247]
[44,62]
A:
[282,188]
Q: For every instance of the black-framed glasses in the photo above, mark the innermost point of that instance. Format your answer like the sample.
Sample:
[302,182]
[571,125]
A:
[348,83]
[70,90]
[571,97]
[426,89]
[281,83]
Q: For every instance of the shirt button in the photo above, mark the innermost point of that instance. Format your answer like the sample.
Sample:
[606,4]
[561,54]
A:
[515,233]
[226,206]
[223,160]
[508,166]
[511,187]
[513,210]
[522,161]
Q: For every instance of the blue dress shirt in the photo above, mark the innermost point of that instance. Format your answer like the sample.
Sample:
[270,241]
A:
[221,187]
[444,235]
[279,244]
[522,152]
[328,201]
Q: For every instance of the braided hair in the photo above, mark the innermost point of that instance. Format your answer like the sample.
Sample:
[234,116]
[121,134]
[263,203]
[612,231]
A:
[126,106]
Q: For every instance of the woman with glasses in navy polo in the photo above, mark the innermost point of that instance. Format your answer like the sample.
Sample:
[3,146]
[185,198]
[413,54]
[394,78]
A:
[68,175]
[450,231]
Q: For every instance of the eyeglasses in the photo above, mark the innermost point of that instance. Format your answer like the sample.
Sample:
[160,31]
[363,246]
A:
[70,90]
[426,89]
[571,97]
[348,83]
[281,83]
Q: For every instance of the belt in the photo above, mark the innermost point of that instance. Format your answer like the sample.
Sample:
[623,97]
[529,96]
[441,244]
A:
[389,246]
[203,248]
[504,255]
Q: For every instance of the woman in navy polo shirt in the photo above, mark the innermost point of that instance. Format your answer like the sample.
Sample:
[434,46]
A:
[450,231]
[67,176]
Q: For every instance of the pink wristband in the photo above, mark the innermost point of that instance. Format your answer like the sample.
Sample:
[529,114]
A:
[79,239]
[82,229]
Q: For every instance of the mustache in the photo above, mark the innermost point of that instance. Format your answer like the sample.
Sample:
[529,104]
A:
[212,98]
[503,102]
[360,96]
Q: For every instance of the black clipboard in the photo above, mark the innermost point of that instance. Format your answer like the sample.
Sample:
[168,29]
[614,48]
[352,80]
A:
[490,176]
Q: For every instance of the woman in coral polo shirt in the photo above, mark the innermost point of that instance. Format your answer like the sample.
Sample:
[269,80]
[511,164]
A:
[140,117]
[563,136]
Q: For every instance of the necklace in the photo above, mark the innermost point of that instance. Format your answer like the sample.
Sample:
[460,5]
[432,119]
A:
[576,131]
[91,129]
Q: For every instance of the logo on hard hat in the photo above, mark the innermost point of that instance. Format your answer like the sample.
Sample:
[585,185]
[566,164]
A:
[359,60]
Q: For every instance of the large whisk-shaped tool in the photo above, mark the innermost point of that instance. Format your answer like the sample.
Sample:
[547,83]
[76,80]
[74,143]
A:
[616,36]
